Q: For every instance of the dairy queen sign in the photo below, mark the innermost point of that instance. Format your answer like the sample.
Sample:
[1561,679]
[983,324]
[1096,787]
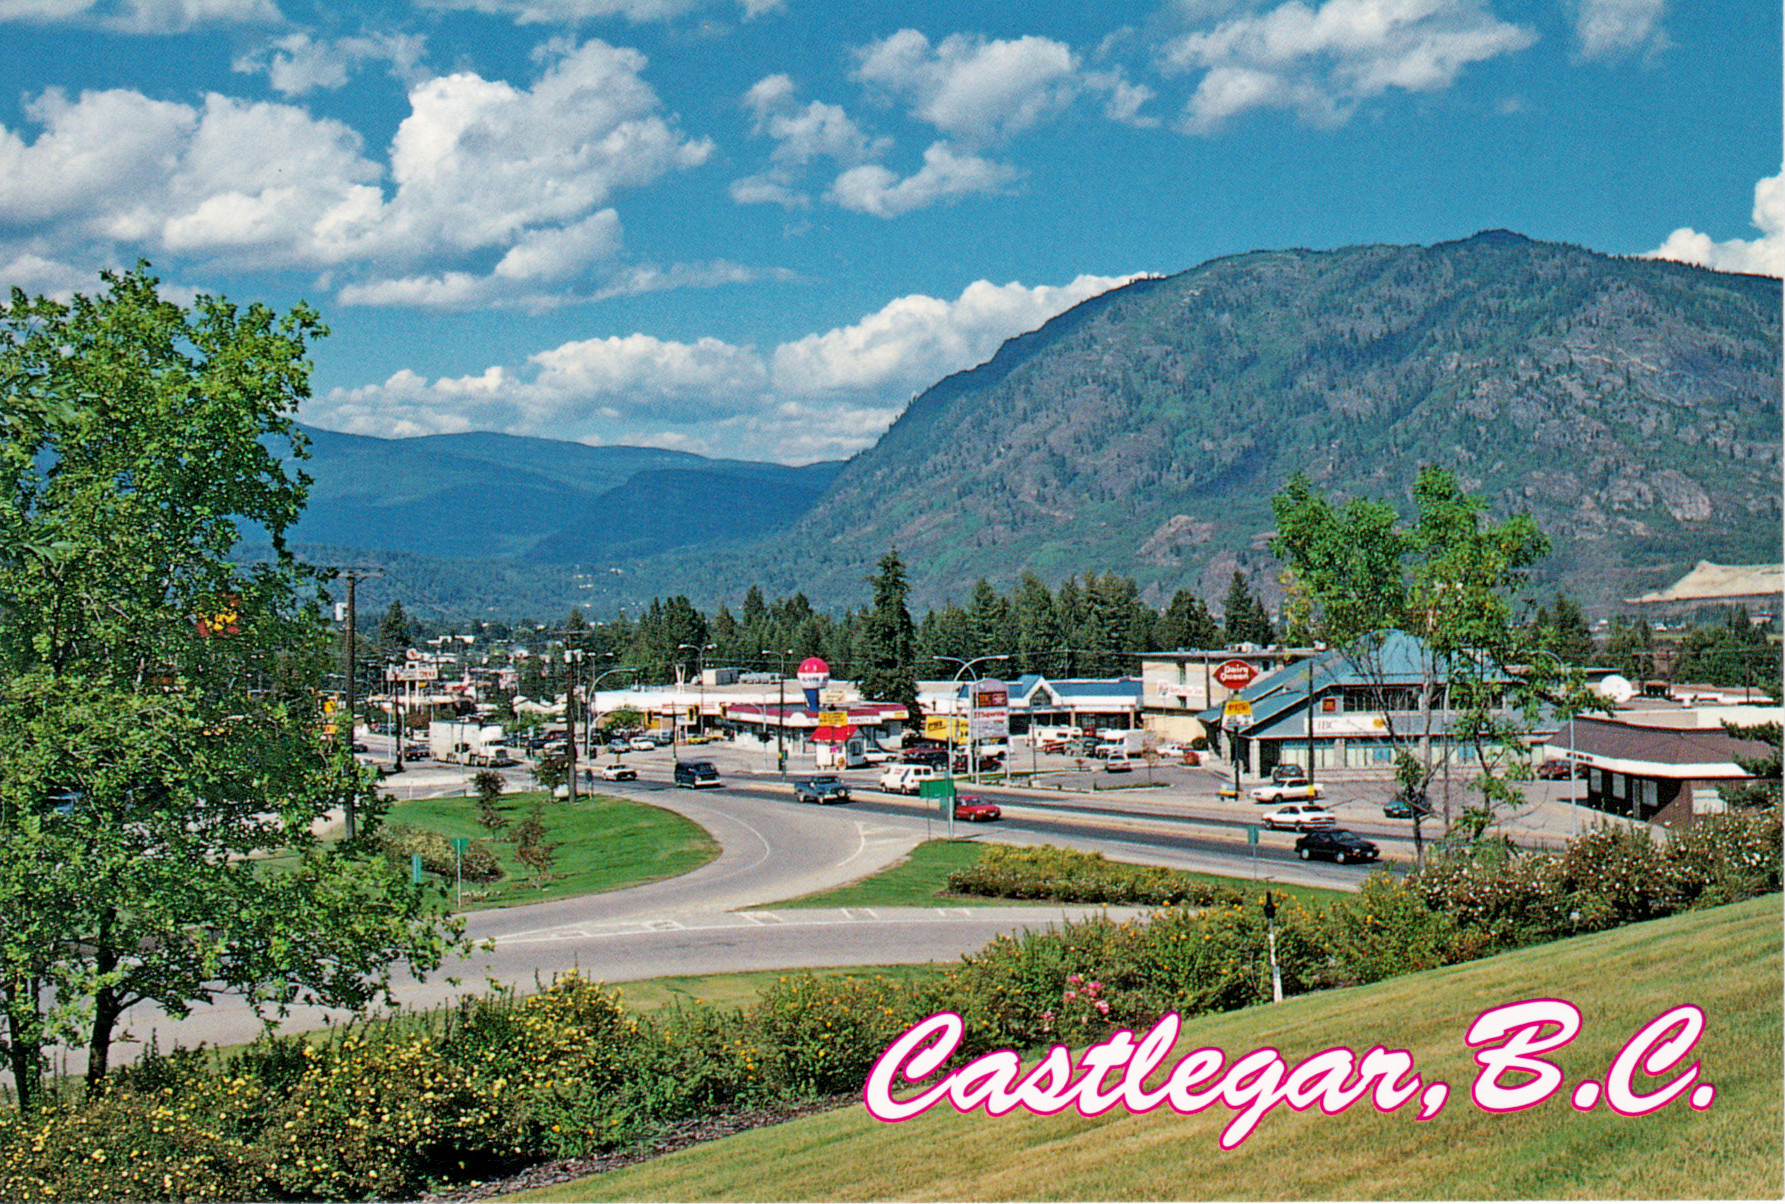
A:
[1235,674]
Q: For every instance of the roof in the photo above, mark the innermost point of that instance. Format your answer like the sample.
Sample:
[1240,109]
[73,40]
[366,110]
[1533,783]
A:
[1708,582]
[1657,751]
[1400,657]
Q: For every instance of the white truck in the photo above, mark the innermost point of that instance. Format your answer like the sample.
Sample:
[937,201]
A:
[468,742]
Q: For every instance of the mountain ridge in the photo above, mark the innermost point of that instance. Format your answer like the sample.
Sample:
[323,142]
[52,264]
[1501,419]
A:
[1631,405]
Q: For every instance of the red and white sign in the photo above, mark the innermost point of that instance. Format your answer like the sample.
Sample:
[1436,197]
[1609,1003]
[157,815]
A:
[1236,674]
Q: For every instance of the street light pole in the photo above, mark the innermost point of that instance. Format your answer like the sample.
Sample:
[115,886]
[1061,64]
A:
[595,704]
[780,709]
[952,720]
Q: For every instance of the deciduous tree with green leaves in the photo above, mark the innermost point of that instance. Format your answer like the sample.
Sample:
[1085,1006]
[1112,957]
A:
[157,702]
[1363,580]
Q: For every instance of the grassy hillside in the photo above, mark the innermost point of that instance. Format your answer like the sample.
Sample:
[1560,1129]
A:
[1726,961]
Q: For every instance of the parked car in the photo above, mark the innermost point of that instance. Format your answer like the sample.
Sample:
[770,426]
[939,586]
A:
[697,773]
[1284,791]
[907,779]
[988,763]
[1118,762]
[417,752]
[642,744]
[1053,746]
[976,810]
[1288,771]
[1300,817]
[826,788]
[1559,768]
[1336,844]
[618,773]
[1403,807]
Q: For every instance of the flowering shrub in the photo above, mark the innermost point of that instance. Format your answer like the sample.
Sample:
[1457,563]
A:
[1386,930]
[1071,876]
[400,841]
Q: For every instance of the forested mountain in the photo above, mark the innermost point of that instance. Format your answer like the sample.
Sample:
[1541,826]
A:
[1631,406]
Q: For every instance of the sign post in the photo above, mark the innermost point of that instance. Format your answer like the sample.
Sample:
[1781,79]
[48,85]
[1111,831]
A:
[459,845]
[1236,713]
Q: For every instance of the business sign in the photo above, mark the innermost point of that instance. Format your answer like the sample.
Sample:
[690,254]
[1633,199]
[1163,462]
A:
[412,671]
[990,717]
[1351,723]
[833,718]
[1236,674]
[1235,713]
[814,675]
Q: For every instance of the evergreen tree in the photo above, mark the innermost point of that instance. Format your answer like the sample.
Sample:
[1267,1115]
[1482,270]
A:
[888,669]
[1039,636]
[1187,623]
[1630,647]
[394,635]
[1244,615]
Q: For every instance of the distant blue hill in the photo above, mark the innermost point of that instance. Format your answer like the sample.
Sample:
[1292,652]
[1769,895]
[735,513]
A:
[488,496]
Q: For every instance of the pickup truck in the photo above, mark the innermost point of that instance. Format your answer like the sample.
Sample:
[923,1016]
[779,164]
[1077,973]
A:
[825,789]
[1291,790]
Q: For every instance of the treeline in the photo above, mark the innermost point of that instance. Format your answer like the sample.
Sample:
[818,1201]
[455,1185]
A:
[1091,626]
[1094,626]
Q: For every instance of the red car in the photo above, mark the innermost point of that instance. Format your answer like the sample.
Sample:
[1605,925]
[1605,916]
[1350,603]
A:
[974,809]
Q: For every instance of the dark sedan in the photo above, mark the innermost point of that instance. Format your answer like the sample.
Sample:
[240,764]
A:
[1336,844]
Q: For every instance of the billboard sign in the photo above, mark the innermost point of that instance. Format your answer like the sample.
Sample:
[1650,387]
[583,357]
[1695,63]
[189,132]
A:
[990,717]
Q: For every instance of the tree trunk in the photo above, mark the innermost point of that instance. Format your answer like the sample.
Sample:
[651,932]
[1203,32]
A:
[108,1005]
[24,1046]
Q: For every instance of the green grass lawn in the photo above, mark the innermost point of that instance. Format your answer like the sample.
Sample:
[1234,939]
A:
[1726,961]
[921,880]
[743,989]
[603,844]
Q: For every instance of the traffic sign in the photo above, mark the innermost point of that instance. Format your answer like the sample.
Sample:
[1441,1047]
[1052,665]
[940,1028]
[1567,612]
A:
[1236,674]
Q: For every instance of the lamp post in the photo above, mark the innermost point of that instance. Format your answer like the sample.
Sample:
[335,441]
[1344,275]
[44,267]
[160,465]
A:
[700,668]
[780,709]
[595,704]
[971,744]
[573,657]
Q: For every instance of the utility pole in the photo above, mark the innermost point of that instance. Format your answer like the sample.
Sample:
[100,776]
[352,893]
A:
[353,575]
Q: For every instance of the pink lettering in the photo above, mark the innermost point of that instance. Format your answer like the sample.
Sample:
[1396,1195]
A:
[1532,1027]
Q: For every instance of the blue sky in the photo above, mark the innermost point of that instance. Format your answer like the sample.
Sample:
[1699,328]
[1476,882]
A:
[757,228]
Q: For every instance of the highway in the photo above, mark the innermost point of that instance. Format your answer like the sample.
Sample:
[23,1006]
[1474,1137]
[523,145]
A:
[728,915]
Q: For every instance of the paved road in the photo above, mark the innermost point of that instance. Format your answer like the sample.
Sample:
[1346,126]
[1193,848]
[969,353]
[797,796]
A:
[724,917]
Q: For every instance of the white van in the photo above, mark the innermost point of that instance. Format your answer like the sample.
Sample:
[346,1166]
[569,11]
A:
[907,779]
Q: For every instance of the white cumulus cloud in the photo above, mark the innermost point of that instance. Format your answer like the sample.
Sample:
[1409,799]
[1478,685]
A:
[824,396]
[1604,28]
[143,16]
[946,175]
[574,12]
[481,172]
[1764,256]
[298,63]
[977,91]
[1322,62]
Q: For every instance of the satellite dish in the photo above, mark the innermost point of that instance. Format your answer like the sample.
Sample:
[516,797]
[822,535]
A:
[1615,687]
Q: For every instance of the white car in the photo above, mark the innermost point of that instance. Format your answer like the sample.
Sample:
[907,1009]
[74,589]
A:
[1300,817]
[618,773]
[1283,792]
[642,744]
